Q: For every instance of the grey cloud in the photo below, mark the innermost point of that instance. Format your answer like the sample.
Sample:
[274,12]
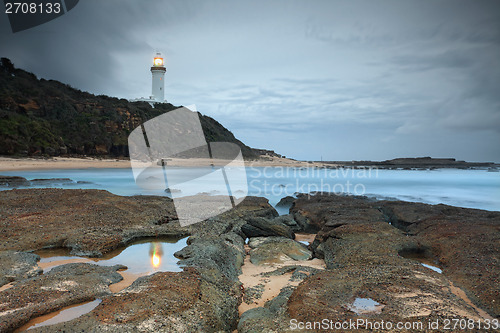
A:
[342,79]
[446,59]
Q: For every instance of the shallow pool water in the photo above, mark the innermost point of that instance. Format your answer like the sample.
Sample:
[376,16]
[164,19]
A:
[434,268]
[141,257]
[61,316]
[422,259]
[365,305]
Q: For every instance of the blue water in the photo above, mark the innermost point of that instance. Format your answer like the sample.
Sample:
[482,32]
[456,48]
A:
[463,188]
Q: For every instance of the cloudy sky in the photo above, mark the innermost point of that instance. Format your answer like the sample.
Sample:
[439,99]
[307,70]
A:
[338,80]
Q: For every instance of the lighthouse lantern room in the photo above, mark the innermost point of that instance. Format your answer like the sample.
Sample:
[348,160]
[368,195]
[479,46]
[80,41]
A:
[158,71]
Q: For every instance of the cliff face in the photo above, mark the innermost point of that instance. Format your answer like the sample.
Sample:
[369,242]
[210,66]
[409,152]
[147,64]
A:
[47,117]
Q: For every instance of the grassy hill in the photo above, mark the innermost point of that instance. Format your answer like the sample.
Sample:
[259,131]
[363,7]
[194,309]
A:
[47,117]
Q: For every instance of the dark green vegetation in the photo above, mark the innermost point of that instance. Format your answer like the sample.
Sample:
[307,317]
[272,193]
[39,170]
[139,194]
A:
[47,117]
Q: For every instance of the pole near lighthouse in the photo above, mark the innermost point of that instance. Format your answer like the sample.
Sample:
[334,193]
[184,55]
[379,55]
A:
[158,71]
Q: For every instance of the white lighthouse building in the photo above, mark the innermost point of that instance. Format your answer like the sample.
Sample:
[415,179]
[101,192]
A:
[158,71]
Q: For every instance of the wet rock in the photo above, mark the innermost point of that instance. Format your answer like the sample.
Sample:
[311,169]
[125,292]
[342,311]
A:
[277,249]
[62,286]
[270,318]
[253,293]
[258,226]
[255,242]
[328,211]
[464,241]
[89,222]
[286,202]
[299,272]
[204,297]
[214,256]
[163,302]
[259,207]
[13,181]
[232,221]
[51,181]
[408,294]
[304,222]
[363,262]
[17,266]
[257,320]
[83,182]
[289,221]
[358,244]
[172,190]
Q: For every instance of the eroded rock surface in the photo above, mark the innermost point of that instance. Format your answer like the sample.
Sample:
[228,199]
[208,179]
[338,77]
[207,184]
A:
[465,242]
[268,250]
[204,297]
[259,226]
[62,286]
[163,302]
[361,251]
[90,222]
[361,241]
[17,266]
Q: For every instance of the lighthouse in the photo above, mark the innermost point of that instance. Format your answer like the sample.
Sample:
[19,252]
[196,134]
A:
[158,71]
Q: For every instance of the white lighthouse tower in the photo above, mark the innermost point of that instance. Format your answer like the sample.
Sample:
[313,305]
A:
[158,71]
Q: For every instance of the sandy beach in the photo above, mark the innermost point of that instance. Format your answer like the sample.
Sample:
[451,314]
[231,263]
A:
[21,164]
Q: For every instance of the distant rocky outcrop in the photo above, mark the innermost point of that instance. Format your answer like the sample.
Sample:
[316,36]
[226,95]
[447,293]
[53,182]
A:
[47,117]
[9,182]
[415,163]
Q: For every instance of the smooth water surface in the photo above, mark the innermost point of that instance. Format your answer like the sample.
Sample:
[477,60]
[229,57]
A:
[365,305]
[456,187]
[61,316]
[141,257]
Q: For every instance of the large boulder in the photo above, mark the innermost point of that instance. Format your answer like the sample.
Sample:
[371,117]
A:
[259,226]
[288,220]
[286,202]
[214,256]
[268,250]
[13,181]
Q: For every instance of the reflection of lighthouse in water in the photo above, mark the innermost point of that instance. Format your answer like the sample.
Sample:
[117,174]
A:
[155,252]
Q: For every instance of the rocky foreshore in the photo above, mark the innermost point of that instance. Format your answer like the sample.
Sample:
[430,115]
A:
[360,250]
[364,244]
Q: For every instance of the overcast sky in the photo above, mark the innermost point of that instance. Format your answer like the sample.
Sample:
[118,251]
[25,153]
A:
[338,80]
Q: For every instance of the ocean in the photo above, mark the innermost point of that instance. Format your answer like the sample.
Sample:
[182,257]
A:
[464,188]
